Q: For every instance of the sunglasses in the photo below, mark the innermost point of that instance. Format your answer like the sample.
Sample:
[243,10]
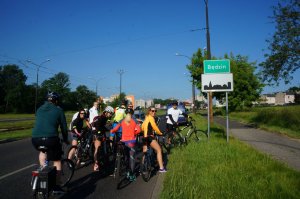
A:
[81,113]
[153,111]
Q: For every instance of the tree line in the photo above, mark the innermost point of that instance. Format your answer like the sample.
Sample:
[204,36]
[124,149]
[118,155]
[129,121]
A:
[18,97]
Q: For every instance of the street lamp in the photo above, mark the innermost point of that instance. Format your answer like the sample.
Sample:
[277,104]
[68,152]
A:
[193,82]
[37,79]
[96,82]
[120,72]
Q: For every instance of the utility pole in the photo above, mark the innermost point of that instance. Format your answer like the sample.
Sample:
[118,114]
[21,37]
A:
[209,58]
[37,80]
[120,72]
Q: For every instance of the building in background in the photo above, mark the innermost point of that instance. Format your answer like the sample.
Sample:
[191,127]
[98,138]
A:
[280,98]
[149,103]
[130,99]
[140,103]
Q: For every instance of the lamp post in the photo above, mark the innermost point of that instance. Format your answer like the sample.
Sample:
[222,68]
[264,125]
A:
[120,72]
[37,79]
[193,82]
[96,82]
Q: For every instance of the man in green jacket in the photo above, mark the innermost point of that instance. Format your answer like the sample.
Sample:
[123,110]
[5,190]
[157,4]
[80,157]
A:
[45,132]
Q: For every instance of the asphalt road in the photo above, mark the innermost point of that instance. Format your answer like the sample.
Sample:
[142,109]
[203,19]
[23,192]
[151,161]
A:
[19,158]
[282,148]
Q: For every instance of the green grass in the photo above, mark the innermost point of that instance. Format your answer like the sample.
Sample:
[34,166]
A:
[215,169]
[24,126]
[284,120]
[20,134]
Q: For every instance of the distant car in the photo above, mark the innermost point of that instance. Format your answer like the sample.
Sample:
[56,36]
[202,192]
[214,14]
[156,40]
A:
[181,120]
[139,114]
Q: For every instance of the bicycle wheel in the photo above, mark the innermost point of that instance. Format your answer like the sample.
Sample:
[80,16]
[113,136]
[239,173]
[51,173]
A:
[146,168]
[38,193]
[67,171]
[192,133]
[178,139]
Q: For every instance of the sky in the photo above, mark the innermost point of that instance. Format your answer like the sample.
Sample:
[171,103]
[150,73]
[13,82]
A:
[92,40]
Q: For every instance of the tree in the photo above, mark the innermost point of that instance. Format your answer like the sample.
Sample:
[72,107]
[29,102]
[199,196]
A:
[59,83]
[84,96]
[283,59]
[247,85]
[12,84]
[296,91]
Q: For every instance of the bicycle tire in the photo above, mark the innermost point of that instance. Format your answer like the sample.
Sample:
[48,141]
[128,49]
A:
[146,168]
[36,193]
[193,133]
[67,171]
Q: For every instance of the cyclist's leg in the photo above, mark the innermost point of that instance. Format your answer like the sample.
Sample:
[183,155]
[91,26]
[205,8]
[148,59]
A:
[97,144]
[157,149]
[36,142]
[74,144]
[54,154]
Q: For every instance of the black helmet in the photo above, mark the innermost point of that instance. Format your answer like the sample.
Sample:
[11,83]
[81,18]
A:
[175,103]
[129,110]
[52,96]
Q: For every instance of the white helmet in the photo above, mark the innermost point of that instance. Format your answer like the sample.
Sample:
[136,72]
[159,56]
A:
[109,109]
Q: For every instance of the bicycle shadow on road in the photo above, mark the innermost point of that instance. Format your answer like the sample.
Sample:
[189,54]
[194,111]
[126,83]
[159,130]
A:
[85,186]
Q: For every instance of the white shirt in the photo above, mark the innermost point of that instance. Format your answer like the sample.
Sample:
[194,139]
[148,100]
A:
[73,118]
[175,114]
[93,113]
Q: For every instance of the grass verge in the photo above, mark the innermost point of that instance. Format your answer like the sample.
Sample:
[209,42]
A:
[215,169]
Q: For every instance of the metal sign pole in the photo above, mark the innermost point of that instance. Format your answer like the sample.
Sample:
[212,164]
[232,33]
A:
[208,121]
[227,120]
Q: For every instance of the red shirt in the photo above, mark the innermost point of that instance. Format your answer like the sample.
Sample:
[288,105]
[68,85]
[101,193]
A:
[129,130]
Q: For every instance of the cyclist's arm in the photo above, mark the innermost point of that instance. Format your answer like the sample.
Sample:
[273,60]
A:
[171,118]
[137,129]
[63,126]
[116,128]
[155,127]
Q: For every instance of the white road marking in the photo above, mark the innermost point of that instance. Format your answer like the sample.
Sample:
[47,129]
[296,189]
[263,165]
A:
[17,171]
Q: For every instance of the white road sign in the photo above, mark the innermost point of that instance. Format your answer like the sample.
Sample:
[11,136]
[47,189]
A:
[217,82]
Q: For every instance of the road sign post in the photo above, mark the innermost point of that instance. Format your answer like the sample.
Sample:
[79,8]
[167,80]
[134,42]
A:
[217,78]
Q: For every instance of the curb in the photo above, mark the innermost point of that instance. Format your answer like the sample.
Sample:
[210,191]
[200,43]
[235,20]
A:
[158,186]
[8,140]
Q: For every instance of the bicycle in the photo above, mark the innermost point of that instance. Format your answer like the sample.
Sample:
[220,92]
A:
[148,164]
[84,151]
[192,131]
[44,178]
[121,169]
[105,155]
[175,138]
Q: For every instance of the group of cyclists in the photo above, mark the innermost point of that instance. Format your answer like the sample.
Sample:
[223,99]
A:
[119,122]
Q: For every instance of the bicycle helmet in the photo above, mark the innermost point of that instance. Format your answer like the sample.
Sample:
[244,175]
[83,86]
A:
[175,103]
[129,110]
[52,96]
[109,109]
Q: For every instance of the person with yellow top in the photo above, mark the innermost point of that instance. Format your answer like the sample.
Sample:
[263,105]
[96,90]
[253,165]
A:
[150,127]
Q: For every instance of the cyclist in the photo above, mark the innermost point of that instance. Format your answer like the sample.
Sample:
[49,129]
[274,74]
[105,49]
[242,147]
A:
[99,129]
[86,118]
[149,126]
[129,130]
[93,112]
[76,127]
[119,116]
[172,119]
[45,133]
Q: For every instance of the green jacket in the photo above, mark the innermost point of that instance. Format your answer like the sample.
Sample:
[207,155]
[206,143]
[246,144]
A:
[48,118]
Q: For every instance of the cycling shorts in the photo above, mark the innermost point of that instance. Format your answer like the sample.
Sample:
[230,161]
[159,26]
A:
[54,151]
[98,136]
[75,136]
[148,140]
